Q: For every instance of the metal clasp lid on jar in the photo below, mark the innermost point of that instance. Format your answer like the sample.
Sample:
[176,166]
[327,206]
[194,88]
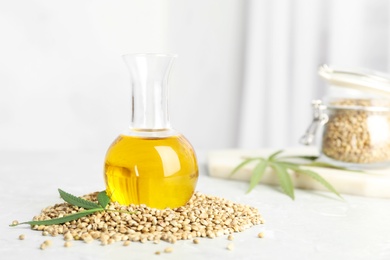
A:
[319,118]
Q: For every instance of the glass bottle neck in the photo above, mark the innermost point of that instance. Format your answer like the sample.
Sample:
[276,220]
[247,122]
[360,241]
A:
[149,91]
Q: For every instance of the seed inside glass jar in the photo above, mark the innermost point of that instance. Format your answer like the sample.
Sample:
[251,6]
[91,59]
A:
[358,131]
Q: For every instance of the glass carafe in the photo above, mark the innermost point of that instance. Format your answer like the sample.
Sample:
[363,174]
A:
[150,163]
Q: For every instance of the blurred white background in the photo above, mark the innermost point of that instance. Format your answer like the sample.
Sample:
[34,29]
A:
[245,76]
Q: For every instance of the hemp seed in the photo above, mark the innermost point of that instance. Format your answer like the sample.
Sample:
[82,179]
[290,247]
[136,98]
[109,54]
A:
[355,133]
[219,217]
[168,250]
[230,247]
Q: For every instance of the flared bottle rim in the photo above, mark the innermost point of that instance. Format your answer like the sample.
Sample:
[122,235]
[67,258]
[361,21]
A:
[170,55]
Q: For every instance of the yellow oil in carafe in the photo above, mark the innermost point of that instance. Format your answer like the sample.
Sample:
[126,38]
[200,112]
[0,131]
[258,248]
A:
[158,172]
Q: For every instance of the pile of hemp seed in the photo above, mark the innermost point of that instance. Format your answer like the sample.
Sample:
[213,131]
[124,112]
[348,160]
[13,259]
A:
[203,216]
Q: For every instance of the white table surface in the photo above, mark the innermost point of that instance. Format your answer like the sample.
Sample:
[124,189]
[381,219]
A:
[314,226]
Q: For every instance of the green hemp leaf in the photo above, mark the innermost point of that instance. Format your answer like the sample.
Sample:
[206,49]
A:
[76,201]
[103,199]
[89,206]
[281,165]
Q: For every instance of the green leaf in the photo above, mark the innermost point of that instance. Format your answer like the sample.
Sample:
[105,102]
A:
[103,199]
[305,157]
[76,201]
[62,220]
[281,166]
[90,207]
[273,156]
[284,179]
[257,174]
[316,177]
[331,166]
[245,162]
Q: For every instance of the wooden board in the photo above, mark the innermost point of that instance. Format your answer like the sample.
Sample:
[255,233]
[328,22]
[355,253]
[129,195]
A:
[370,183]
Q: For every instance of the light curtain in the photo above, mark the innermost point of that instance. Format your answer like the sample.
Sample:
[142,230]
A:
[286,42]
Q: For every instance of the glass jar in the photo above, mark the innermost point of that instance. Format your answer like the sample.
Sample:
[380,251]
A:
[355,126]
